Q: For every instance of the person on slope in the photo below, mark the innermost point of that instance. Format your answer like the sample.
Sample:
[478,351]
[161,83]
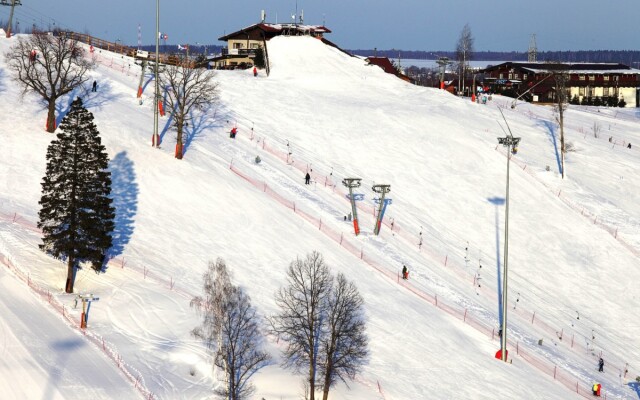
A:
[233,132]
[255,71]
[596,388]
[601,365]
[307,179]
[405,272]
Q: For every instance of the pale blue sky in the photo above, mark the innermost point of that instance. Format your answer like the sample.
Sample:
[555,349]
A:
[502,25]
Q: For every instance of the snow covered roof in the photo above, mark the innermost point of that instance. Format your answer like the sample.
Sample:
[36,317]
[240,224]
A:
[276,29]
[572,68]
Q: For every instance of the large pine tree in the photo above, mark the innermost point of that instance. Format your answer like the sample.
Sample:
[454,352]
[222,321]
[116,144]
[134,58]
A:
[77,218]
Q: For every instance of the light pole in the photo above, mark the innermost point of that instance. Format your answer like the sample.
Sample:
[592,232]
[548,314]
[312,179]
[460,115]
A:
[155,141]
[509,142]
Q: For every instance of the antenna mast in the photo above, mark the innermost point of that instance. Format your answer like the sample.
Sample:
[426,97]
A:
[533,49]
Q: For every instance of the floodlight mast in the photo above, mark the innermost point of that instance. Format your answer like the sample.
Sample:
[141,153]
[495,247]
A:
[352,183]
[155,142]
[511,143]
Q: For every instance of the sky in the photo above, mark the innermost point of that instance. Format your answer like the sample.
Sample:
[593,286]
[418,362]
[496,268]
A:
[574,243]
[497,25]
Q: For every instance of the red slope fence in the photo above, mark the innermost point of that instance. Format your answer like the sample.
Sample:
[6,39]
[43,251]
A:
[133,376]
[463,314]
[578,343]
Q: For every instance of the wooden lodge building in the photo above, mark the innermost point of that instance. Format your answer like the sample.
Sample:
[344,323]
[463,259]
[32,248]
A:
[245,45]
[535,83]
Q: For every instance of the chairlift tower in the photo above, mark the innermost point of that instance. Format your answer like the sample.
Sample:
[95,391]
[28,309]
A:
[511,143]
[13,4]
[442,63]
[86,305]
[381,190]
[352,183]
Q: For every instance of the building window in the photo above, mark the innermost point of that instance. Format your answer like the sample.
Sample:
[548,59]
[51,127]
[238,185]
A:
[605,91]
[592,77]
[510,75]
[590,90]
[501,76]
[581,91]
[606,78]
[581,77]
[255,45]
[524,76]
[616,78]
[237,45]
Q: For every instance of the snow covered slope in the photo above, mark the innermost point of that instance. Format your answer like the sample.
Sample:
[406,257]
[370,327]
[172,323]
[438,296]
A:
[573,244]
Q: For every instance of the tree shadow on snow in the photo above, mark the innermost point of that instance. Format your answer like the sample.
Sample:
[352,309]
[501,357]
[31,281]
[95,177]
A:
[636,387]
[551,130]
[90,99]
[3,75]
[144,86]
[64,350]
[124,192]
[197,127]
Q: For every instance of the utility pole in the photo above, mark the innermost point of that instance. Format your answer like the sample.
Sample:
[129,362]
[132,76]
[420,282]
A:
[510,143]
[381,190]
[352,183]
[155,141]
[13,4]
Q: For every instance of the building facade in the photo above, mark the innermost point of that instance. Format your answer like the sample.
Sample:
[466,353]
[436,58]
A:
[586,83]
[245,45]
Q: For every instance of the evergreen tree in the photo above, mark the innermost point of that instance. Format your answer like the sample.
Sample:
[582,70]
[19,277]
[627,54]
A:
[76,217]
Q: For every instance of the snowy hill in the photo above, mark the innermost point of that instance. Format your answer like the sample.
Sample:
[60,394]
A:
[574,244]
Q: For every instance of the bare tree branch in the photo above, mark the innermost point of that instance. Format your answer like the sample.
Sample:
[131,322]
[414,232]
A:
[50,66]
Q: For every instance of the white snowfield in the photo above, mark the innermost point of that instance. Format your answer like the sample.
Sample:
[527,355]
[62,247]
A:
[574,243]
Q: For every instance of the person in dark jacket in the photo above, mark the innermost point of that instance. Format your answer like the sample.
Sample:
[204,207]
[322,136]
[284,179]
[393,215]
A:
[629,145]
[405,272]
[601,365]
[307,179]
[94,88]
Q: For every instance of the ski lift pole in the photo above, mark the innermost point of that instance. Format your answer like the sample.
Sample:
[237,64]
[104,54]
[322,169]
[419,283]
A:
[86,306]
[353,183]
[382,190]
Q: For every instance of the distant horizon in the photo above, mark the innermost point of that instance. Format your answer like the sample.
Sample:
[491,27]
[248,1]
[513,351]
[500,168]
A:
[412,24]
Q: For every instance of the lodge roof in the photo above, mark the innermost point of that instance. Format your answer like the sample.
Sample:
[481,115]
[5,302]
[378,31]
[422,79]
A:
[276,29]
[576,68]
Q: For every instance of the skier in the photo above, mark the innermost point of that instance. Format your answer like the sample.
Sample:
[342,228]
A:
[307,179]
[233,132]
[601,365]
[94,87]
[629,145]
[255,71]
[596,389]
[405,272]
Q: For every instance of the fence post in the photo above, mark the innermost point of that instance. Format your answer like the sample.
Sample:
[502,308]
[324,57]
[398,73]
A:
[320,226]
[518,348]
[446,258]
[436,300]
[361,253]
[533,317]
[341,236]
[555,369]
[572,336]
[465,315]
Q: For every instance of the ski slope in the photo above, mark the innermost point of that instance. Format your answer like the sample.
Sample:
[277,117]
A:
[573,244]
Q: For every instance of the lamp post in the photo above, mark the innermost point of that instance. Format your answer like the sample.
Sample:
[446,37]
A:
[511,143]
[155,141]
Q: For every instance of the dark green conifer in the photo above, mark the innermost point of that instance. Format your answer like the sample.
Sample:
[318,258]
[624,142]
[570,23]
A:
[76,217]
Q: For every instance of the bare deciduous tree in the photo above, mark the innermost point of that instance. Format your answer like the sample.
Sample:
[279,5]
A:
[561,94]
[464,52]
[345,346]
[322,323]
[188,90]
[50,66]
[230,328]
[303,305]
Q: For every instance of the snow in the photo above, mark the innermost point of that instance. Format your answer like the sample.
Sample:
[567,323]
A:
[573,244]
